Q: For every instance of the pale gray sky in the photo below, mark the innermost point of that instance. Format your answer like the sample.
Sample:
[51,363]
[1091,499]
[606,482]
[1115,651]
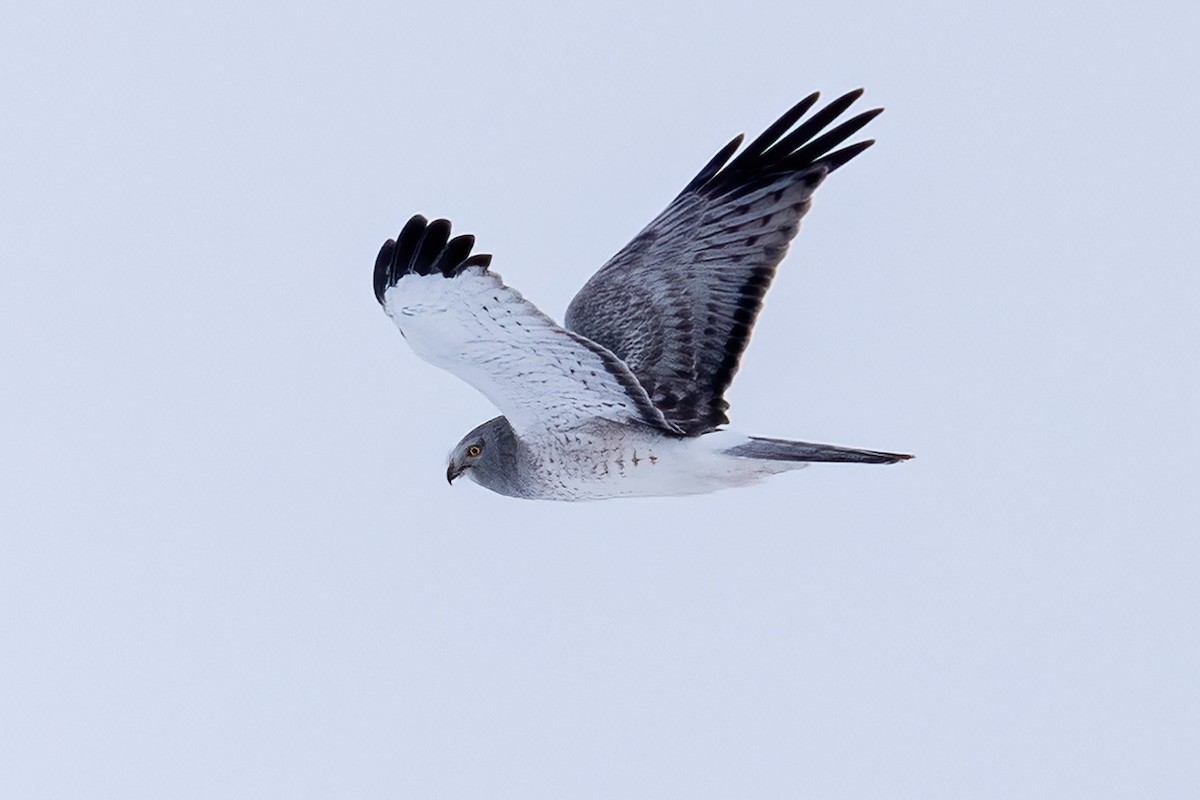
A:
[231,566]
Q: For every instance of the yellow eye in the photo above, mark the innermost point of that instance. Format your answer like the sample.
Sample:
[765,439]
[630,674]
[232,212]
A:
[474,450]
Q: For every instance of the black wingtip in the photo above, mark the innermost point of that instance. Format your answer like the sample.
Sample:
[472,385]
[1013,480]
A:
[790,144]
[714,164]
[386,254]
[423,248]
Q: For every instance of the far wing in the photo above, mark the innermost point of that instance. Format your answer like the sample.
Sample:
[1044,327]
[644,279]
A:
[459,316]
[678,302]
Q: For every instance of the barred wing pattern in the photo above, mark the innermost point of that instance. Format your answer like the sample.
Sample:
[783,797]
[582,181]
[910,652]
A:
[678,302]
[459,316]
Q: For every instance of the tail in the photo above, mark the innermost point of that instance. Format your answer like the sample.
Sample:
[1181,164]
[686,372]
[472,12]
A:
[783,450]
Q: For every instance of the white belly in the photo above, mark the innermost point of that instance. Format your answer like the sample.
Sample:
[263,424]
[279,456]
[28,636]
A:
[596,465]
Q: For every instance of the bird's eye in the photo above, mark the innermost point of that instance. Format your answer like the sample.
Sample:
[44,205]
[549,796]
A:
[474,450]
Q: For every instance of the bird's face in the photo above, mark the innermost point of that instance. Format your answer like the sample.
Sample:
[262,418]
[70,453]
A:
[488,455]
[465,455]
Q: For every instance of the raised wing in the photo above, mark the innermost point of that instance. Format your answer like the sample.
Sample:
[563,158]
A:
[459,316]
[678,302]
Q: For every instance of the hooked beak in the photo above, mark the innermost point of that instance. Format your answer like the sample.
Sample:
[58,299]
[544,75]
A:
[452,472]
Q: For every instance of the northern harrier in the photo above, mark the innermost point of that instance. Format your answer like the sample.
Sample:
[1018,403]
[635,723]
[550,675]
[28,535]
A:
[626,399]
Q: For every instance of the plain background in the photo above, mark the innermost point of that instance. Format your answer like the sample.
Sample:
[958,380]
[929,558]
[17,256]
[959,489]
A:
[231,567]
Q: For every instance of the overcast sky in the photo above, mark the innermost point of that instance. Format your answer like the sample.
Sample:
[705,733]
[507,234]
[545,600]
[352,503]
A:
[230,565]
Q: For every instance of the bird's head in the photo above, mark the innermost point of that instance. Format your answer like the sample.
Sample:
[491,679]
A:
[487,454]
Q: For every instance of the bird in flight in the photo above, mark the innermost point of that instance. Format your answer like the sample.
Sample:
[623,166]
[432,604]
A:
[626,398]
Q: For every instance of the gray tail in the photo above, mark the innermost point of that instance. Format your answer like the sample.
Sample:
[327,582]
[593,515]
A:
[783,450]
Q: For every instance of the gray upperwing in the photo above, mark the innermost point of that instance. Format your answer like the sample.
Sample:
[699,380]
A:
[678,302]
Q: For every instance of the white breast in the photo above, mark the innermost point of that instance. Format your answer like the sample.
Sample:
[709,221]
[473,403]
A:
[608,461]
